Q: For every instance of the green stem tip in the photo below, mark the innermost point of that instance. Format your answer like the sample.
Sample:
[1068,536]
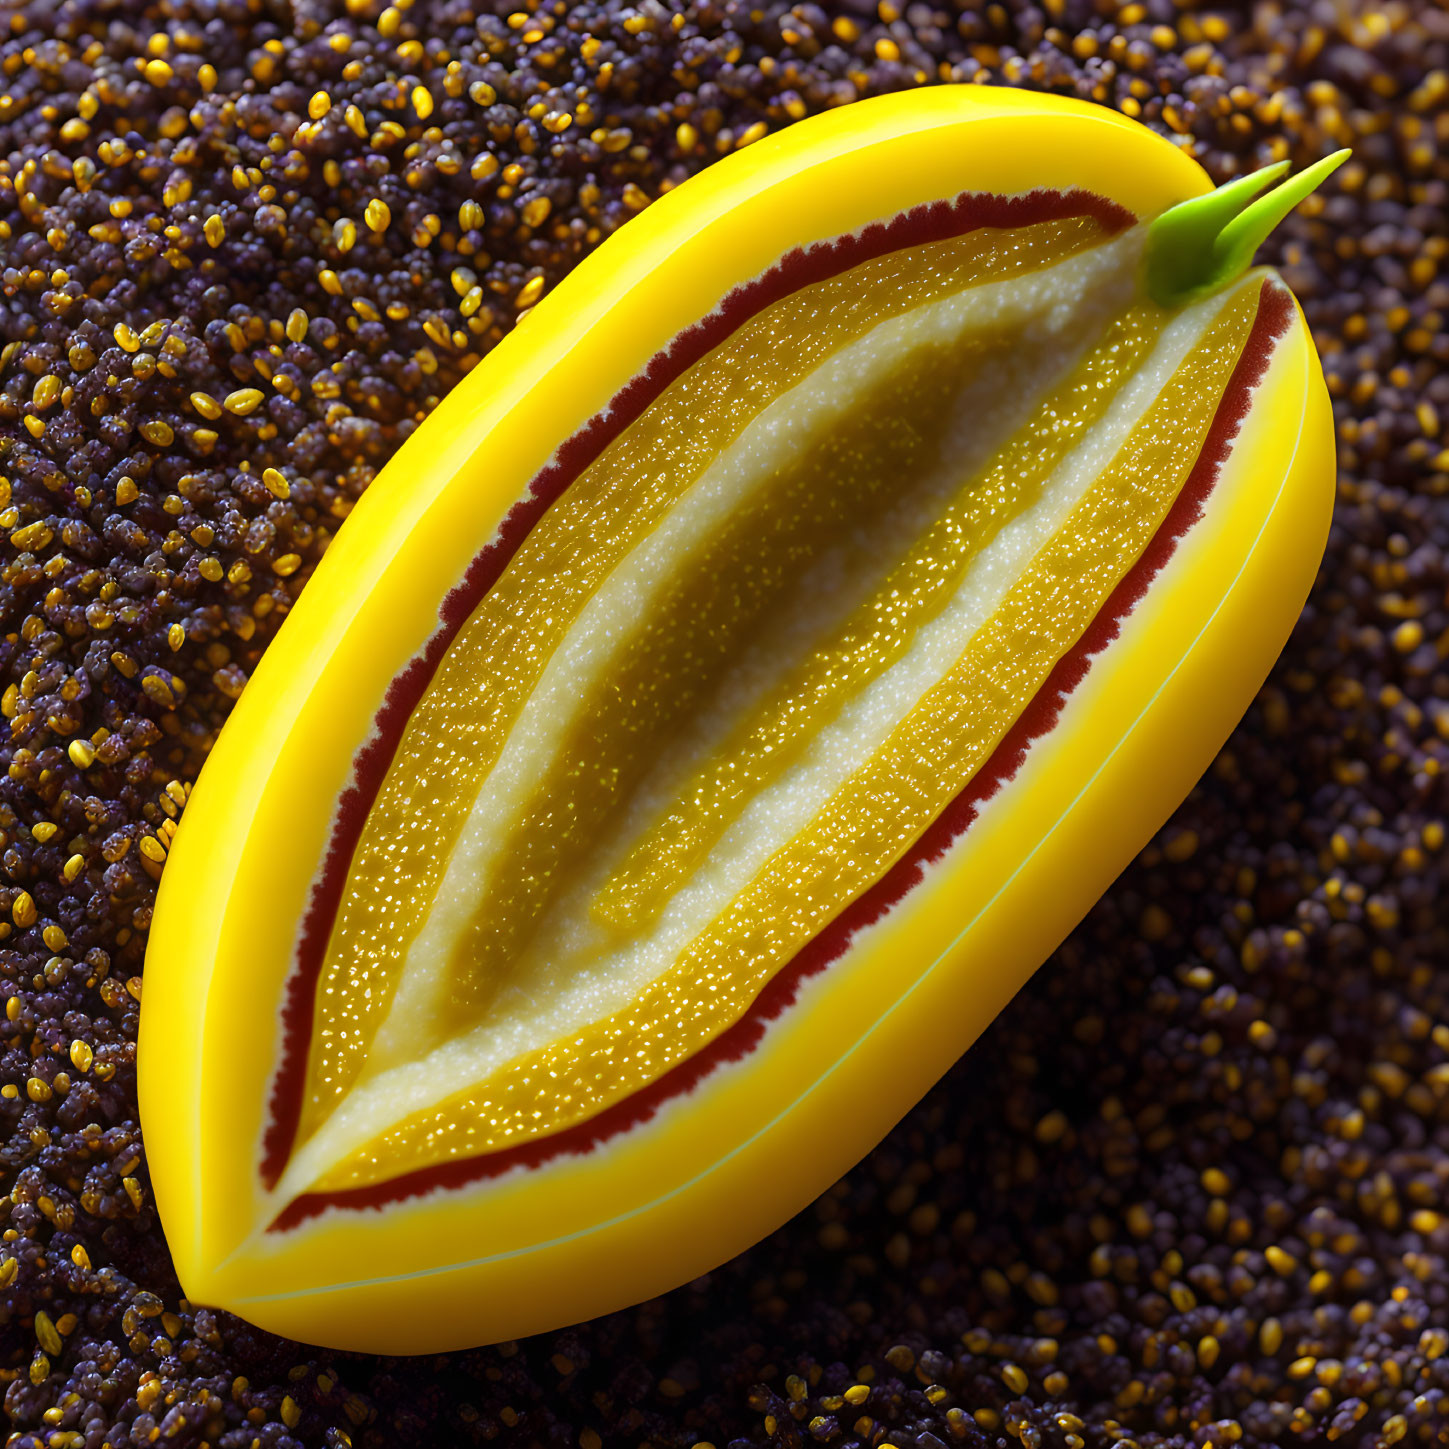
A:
[1200,245]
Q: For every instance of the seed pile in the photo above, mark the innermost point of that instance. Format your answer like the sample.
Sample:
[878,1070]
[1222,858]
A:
[1188,1191]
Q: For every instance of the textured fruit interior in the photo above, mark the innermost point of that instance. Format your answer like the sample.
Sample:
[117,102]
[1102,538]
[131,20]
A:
[736,670]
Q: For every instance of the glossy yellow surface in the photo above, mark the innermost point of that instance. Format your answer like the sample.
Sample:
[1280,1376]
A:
[713,1171]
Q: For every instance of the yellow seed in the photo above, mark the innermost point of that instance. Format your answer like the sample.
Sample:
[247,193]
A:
[276,484]
[1052,1127]
[470,216]
[157,689]
[214,230]
[1014,1377]
[176,636]
[287,565]
[127,492]
[330,282]
[73,867]
[1408,636]
[206,405]
[422,102]
[291,1414]
[46,392]
[1280,1262]
[38,1090]
[243,401]
[297,322]
[536,210]
[157,433]
[82,754]
[530,292]
[54,938]
[125,337]
[23,910]
[43,831]
[158,72]
[319,105]
[81,1055]
[80,1257]
[377,215]
[46,1335]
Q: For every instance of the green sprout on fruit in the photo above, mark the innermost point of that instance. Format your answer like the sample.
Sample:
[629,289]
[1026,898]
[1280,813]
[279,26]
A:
[1202,244]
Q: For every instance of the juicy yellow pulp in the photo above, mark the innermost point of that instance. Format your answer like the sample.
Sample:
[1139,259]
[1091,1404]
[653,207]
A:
[733,673]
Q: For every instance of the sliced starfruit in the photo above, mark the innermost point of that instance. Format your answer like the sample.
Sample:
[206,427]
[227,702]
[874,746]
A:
[736,689]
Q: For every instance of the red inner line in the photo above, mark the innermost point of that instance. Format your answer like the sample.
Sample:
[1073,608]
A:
[800,268]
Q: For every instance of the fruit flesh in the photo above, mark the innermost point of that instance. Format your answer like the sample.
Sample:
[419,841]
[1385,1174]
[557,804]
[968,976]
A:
[454,737]
[733,814]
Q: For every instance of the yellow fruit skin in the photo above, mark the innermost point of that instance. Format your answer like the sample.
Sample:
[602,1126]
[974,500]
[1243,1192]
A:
[757,1140]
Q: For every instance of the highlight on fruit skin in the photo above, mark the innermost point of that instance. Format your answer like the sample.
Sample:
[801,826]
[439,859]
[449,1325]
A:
[739,685]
